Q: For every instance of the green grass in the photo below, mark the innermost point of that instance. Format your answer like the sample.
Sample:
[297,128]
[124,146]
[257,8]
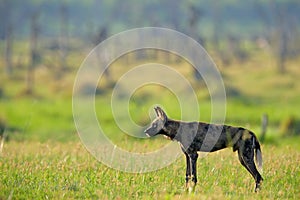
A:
[252,89]
[54,170]
[39,119]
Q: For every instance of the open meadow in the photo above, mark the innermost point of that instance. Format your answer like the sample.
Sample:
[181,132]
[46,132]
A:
[55,170]
[43,157]
[79,81]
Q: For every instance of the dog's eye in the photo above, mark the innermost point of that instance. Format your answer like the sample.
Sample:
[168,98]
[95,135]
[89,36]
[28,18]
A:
[154,125]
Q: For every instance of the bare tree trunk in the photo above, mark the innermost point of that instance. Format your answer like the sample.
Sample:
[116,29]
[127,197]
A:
[34,54]
[64,36]
[8,35]
[217,29]
[282,27]
[8,49]
[100,36]
[282,46]
[194,19]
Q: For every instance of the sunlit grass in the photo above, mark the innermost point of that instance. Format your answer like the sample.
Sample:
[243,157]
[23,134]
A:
[66,170]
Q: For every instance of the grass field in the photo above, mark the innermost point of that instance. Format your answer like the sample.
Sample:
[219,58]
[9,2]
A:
[44,159]
[34,170]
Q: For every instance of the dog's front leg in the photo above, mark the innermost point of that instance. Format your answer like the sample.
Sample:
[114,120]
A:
[193,158]
[188,170]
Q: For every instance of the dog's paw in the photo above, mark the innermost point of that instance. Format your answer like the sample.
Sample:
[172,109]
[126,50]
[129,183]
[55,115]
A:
[258,186]
[191,187]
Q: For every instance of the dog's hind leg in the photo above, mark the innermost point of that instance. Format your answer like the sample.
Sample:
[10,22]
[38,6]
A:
[246,157]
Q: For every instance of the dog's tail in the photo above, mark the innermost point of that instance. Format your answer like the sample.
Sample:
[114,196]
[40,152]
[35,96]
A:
[258,155]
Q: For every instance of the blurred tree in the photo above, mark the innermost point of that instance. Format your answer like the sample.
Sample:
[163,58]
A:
[34,53]
[278,21]
[281,37]
[194,19]
[8,35]
[217,30]
[8,48]
[99,37]
[64,36]
[235,49]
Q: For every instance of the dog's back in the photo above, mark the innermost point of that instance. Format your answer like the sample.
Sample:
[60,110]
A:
[199,136]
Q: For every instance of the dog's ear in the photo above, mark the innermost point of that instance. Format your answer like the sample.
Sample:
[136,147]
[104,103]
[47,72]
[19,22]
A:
[161,114]
[156,111]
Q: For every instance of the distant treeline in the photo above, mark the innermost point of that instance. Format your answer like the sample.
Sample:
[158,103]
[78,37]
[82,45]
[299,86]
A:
[201,19]
[228,26]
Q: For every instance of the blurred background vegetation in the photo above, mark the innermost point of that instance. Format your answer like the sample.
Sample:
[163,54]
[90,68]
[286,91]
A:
[255,45]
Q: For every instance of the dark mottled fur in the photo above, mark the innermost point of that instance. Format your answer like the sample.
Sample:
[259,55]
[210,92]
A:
[199,136]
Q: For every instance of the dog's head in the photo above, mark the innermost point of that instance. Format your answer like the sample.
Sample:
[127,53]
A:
[158,123]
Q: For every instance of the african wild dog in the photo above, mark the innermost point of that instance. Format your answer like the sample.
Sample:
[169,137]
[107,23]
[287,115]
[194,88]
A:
[199,136]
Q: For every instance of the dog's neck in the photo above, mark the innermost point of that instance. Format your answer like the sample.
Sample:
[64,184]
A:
[170,129]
